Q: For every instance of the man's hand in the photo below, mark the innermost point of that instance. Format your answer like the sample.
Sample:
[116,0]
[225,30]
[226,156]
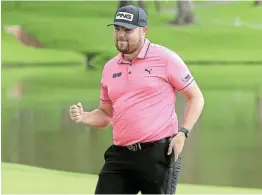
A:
[177,144]
[76,112]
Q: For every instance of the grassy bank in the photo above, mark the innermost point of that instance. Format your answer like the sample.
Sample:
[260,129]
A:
[31,180]
[81,30]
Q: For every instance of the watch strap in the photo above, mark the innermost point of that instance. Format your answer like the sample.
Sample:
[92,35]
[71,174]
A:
[184,130]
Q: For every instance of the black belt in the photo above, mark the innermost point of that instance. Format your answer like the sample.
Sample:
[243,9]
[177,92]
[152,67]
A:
[140,146]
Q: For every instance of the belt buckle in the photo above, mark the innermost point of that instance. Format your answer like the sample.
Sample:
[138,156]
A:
[134,147]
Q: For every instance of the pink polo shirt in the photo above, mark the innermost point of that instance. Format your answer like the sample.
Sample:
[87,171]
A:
[143,94]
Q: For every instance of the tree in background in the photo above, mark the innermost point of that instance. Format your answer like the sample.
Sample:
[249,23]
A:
[157,4]
[258,2]
[142,4]
[124,3]
[184,14]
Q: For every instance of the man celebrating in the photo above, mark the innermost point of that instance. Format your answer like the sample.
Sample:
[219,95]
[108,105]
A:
[138,95]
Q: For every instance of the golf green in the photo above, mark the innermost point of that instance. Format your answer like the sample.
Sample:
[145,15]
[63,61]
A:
[18,179]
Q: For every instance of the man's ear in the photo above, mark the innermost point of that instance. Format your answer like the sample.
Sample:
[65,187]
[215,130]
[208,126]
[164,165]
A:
[144,30]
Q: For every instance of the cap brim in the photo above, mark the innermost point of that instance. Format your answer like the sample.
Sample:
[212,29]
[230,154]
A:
[125,25]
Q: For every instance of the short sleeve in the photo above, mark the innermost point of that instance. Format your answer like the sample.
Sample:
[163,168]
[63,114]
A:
[104,98]
[178,74]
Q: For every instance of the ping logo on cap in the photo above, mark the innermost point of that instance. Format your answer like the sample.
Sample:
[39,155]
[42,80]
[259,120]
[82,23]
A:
[124,16]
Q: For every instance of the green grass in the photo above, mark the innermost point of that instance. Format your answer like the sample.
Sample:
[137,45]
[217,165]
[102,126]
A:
[15,52]
[31,180]
[83,31]
[245,10]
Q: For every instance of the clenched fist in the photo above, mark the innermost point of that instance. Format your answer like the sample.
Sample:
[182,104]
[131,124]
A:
[76,112]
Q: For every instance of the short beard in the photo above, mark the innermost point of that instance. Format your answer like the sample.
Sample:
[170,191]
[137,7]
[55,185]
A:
[129,49]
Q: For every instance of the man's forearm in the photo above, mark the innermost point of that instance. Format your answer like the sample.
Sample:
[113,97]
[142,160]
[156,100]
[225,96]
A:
[192,112]
[96,118]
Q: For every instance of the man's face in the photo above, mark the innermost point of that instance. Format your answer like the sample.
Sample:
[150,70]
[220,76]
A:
[128,40]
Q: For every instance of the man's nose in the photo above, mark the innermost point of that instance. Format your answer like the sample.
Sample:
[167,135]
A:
[121,36]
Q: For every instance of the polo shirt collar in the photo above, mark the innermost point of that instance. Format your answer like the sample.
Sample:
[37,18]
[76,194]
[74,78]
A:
[142,54]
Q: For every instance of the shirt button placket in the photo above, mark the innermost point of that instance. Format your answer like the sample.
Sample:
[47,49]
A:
[129,69]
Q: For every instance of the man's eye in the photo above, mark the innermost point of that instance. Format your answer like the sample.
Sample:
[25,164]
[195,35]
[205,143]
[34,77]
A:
[128,30]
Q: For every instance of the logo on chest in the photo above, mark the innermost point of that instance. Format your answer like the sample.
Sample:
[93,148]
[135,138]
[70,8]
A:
[148,70]
[117,75]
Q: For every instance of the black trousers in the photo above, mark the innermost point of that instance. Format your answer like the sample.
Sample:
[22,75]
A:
[149,171]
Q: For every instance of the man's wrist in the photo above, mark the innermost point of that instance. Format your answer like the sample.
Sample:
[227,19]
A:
[185,131]
[84,119]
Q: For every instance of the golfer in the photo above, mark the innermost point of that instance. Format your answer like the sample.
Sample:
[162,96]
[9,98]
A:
[138,96]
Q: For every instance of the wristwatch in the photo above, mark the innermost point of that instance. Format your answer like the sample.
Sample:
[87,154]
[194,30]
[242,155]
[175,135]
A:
[185,131]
